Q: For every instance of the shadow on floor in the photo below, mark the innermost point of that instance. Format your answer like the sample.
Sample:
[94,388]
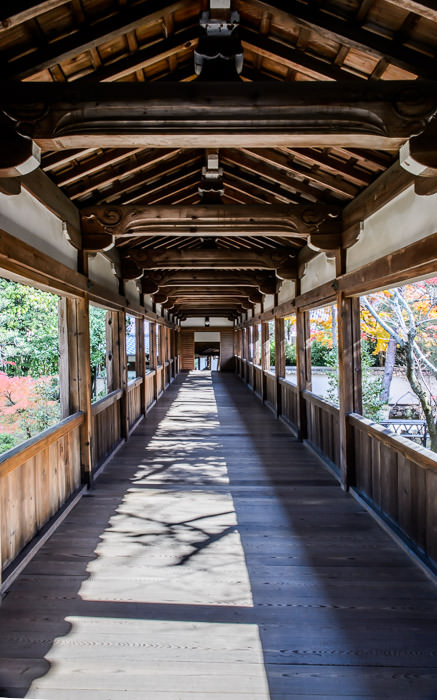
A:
[217,558]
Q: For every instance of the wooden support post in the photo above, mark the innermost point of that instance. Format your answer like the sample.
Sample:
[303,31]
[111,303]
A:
[255,341]
[265,354]
[75,372]
[303,367]
[124,406]
[153,358]
[279,361]
[140,361]
[249,344]
[350,388]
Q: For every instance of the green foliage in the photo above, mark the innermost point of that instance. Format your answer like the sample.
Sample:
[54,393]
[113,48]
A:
[371,383]
[6,442]
[44,409]
[290,354]
[28,330]
[97,337]
[321,354]
[97,348]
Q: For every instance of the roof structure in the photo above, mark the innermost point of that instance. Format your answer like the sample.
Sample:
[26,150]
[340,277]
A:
[137,131]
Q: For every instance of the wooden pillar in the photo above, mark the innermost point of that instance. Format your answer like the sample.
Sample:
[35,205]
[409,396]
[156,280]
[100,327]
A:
[303,367]
[279,361]
[350,388]
[153,358]
[124,406]
[140,361]
[75,372]
[249,344]
[265,354]
[255,340]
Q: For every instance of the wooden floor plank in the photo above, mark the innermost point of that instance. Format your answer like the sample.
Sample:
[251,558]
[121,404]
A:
[216,558]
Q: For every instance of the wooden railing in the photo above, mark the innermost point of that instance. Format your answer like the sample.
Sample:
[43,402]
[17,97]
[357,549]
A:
[36,478]
[134,400]
[289,403]
[270,385]
[258,378]
[399,479]
[396,477]
[150,388]
[105,427]
[323,428]
[159,379]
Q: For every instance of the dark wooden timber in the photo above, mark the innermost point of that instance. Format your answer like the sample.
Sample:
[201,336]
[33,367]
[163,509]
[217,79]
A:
[215,556]
[375,114]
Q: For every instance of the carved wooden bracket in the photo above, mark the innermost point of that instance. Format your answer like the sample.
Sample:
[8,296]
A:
[19,155]
[419,157]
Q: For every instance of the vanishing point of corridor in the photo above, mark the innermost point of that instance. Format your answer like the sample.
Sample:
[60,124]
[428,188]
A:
[216,558]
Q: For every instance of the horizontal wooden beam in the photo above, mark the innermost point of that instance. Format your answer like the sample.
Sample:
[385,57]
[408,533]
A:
[280,260]
[266,282]
[414,261]
[208,220]
[387,186]
[372,114]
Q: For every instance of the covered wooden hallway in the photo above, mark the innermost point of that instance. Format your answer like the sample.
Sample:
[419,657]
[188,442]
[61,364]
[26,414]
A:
[216,557]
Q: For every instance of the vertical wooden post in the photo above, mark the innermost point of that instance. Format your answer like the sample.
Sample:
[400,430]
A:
[303,367]
[140,361]
[76,372]
[350,389]
[279,361]
[255,340]
[124,405]
[250,343]
[265,355]
[153,358]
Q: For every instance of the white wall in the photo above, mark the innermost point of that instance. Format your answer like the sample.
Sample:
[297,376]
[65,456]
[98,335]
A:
[131,291]
[26,218]
[287,291]
[319,270]
[407,218]
[100,272]
[207,337]
[213,322]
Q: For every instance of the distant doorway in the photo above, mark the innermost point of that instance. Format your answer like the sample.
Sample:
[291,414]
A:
[207,350]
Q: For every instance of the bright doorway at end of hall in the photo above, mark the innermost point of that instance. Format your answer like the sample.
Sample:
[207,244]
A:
[206,350]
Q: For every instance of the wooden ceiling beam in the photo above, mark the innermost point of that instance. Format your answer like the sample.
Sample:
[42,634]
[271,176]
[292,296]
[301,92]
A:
[89,166]
[253,182]
[15,12]
[293,57]
[168,187]
[216,259]
[209,220]
[348,170]
[286,163]
[89,36]
[371,114]
[425,8]
[51,161]
[266,282]
[351,33]
[152,159]
[144,57]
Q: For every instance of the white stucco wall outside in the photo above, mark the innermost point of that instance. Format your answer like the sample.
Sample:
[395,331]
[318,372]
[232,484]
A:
[407,218]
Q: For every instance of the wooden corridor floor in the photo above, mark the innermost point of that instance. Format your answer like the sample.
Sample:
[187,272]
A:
[216,558]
